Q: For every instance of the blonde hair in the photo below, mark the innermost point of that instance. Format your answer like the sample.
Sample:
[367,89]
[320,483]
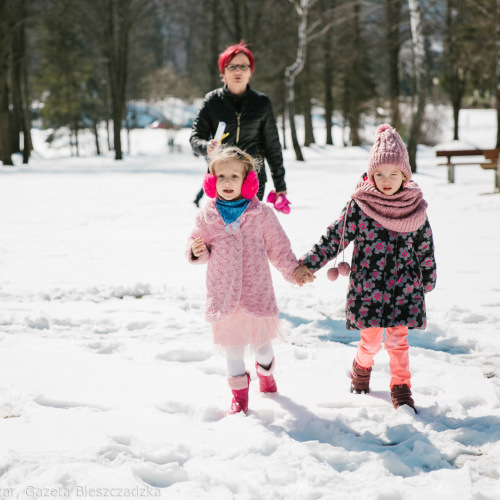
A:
[225,154]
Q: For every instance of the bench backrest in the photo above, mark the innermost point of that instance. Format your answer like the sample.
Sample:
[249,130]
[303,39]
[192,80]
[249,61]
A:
[460,152]
[489,154]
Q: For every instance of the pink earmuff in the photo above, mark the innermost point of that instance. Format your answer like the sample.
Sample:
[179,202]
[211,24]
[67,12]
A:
[249,187]
[209,185]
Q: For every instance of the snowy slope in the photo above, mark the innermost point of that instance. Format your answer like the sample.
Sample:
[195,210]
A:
[106,363]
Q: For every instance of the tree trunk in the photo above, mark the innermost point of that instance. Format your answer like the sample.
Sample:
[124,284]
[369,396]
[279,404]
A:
[27,139]
[107,111]
[354,113]
[17,123]
[77,141]
[328,79]
[96,135]
[5,49]
[497,46]
[213,55]
[420,65]
[393,15]
[118,23]
[237,20]
[291,115]
[5,143]
[283,121]
[20,122]
[456,73]
[292,71]
[346,98]
[307,99]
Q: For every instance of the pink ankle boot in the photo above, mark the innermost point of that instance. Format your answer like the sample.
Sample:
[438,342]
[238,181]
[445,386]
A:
[266,378]
[239,387]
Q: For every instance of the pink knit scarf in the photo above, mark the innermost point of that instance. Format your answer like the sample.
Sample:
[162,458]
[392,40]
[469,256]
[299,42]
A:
[404,211]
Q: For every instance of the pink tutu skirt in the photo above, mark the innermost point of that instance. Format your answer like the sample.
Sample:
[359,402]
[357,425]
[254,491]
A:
[245,331]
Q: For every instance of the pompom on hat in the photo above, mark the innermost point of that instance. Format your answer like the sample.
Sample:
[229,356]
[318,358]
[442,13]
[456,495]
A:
[388,149]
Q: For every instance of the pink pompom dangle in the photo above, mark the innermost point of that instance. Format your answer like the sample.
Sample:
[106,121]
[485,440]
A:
[250,185]
[332,273]
[210,185]
[344,268]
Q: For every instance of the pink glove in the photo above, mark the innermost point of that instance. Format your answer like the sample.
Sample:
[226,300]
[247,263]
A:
[281,203]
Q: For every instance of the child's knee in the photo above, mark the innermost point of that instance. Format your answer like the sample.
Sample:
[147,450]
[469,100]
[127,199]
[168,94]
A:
[264,354]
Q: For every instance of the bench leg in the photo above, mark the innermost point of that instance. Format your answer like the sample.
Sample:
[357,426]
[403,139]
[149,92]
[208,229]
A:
[451,173]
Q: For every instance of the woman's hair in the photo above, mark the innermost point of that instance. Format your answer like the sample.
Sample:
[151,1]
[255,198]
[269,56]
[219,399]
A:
[229,153]
[230,52]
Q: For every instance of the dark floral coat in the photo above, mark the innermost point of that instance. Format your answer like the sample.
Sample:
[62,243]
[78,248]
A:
[390,271]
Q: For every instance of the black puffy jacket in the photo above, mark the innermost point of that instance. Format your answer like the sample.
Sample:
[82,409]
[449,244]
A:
[251,126]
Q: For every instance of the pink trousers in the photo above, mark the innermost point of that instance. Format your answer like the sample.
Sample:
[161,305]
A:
[396,346]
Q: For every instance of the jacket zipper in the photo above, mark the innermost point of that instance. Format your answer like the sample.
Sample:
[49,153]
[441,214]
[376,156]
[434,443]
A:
[238,115]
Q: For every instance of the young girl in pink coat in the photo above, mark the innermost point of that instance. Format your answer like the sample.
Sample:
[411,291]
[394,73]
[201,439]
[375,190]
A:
[237,236]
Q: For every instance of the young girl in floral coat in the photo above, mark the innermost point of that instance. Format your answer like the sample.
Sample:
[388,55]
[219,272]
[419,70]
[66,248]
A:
[392,267]
[237,236]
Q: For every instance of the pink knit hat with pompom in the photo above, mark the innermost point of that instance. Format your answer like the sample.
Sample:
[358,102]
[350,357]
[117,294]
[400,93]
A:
[388,149]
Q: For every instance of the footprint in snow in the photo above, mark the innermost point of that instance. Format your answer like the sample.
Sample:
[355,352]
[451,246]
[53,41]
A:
[184,356]
[104,347]
[65,405]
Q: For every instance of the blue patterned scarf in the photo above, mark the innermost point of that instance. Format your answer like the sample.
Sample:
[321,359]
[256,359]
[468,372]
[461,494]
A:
[231,212]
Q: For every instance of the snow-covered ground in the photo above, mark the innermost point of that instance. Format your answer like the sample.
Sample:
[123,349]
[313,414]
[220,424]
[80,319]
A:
[108,383]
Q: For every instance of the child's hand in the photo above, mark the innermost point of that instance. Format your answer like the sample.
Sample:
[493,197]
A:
[198,247]
[303,275]
[212,146]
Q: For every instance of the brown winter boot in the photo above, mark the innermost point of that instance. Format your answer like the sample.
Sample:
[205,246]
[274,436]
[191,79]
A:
[401,395]
[360,379]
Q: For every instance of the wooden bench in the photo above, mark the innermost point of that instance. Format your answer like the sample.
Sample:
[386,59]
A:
[487,159]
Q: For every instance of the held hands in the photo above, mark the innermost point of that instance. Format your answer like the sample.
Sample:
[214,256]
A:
[198,247]
[303,275]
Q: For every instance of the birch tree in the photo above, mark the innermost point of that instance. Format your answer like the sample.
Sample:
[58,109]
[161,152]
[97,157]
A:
[306,33]
[291,72]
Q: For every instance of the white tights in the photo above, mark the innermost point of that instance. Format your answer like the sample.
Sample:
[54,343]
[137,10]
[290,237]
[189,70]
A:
[235,358]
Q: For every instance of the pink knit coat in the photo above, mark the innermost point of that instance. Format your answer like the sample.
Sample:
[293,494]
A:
[238,272]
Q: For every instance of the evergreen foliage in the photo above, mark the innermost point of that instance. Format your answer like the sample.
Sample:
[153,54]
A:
[359,58]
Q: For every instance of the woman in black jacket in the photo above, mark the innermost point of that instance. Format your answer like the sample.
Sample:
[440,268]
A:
[248,115]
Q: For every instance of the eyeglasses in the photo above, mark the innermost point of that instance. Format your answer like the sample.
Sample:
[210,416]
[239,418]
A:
[234,67]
